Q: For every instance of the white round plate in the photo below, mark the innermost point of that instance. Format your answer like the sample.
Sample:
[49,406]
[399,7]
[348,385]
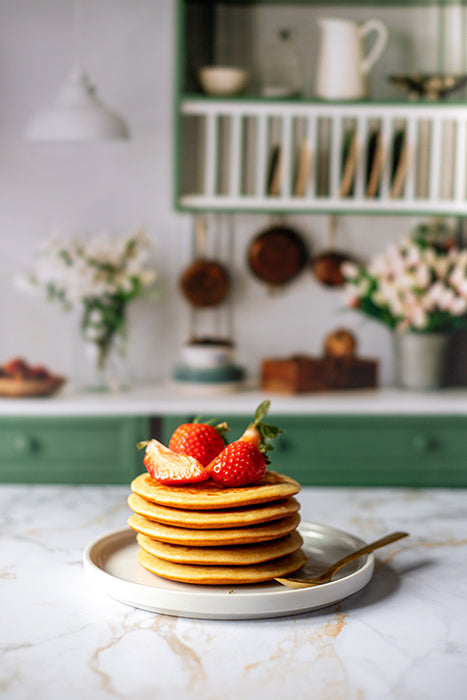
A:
[110,563]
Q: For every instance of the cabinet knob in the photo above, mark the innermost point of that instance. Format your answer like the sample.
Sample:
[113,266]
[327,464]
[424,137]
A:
[283,445]
[25,443]
[422,443]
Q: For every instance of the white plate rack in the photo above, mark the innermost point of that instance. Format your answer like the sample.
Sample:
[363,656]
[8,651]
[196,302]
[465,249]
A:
[406,158]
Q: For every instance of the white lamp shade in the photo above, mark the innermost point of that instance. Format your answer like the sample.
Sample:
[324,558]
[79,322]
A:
[77,115]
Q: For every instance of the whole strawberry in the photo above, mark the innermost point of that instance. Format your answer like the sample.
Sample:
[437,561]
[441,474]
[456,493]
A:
[202,441]
[245,461]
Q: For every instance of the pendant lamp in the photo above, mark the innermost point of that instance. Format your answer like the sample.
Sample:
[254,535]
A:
[77,115]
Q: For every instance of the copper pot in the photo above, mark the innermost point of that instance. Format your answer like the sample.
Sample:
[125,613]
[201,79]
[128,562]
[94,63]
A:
[327,266]
[204,282]
[277,255]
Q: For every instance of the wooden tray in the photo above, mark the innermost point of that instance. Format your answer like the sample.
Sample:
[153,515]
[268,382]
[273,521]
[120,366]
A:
[301,374]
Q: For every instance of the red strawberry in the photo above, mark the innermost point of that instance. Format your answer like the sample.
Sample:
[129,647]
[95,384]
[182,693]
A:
[38,372]
[171,468]
[244,461]
[239,464]
[17,367]
[200,440]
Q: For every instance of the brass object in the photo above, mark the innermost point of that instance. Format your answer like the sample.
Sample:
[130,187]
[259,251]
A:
[431,86]
[327,575]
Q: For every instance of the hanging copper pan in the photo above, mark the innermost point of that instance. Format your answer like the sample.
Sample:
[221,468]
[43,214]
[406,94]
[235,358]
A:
[327,266]
[277,255]
[204,282]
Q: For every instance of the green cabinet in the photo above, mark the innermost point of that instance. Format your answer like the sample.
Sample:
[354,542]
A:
[382,450]
[318,450]
[69,449]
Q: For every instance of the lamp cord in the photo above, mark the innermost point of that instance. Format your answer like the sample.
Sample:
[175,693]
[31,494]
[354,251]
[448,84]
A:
[77,24]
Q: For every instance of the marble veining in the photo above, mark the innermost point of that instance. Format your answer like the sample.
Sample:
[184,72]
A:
[402,637]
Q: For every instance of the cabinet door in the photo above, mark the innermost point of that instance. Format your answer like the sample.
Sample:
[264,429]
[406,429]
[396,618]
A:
[365,450]
[79,450]
[373,450]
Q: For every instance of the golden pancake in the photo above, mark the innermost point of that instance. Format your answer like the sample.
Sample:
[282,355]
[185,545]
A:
[222,575]
[207,495]
[222,556]
[212,519]
[214,538]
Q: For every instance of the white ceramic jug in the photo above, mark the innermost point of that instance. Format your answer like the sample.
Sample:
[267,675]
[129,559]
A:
[342,69]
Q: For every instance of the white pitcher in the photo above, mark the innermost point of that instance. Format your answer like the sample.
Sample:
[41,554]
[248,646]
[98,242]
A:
[342,69]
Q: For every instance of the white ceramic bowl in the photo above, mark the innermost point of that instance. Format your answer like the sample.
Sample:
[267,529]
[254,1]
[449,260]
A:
[207,356]
[222,80]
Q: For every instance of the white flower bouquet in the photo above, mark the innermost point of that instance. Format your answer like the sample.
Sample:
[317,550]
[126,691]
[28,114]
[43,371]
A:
[418,285]
[98,274]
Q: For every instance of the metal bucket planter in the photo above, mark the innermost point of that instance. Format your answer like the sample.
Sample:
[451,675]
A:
[420,360]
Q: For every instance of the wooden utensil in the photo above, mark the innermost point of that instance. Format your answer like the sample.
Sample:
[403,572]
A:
[401,148]
[326,576]
[349,166]
[375,164]
[204,282]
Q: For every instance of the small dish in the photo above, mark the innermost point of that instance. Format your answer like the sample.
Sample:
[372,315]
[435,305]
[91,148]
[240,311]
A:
[222,81]
[26,388]
[432,86]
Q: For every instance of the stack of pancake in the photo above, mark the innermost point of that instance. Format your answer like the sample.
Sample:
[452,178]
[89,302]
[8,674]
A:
[203,533]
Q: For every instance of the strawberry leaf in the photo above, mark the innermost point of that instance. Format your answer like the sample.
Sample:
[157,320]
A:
[221,426]
[262,410]
[266,431]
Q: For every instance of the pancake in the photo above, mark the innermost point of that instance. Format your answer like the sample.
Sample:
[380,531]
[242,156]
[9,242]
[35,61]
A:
[207,495]
[214,538]
[221,518]
[222,556]
[222,575]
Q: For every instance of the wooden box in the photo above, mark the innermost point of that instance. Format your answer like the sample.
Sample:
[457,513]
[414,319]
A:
[300,374]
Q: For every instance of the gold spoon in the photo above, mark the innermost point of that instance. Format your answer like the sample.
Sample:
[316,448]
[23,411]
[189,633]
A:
[327,575]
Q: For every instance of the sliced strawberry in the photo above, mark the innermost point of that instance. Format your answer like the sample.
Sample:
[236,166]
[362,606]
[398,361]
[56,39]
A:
[172,468]
[200,440]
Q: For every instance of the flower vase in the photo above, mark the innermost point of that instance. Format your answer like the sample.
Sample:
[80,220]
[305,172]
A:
[104,372]
[420,360]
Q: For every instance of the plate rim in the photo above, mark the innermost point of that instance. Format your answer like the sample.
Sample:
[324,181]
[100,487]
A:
[276,600]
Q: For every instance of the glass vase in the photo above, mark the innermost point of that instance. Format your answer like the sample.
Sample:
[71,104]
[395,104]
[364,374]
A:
[104,372]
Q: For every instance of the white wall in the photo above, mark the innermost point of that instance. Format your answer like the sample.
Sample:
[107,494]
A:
[127,48]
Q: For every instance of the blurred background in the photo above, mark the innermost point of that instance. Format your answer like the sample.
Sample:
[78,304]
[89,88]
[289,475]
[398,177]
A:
[128,49]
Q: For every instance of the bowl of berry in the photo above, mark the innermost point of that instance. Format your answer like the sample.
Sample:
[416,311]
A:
[19,378]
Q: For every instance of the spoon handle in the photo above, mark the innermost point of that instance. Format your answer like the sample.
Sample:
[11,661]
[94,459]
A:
[366,549]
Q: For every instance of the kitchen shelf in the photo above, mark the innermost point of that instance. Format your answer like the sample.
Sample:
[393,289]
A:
[369,157]
[339,3]
[399,158]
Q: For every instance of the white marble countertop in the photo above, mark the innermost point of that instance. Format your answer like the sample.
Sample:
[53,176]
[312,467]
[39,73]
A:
[166,399]
[404,636]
